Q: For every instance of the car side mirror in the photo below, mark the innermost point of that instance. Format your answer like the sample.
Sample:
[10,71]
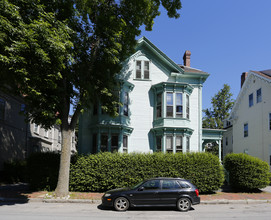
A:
[141,188]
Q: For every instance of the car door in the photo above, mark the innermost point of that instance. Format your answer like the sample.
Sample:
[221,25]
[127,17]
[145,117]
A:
[146,194]
[169,192]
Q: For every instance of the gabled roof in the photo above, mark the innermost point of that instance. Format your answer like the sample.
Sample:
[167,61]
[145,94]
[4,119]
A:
[144,42]
[184,71]
[264,75]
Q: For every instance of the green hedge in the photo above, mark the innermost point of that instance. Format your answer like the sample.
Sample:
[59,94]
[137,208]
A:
[247,172]
[14,171]
[104,171]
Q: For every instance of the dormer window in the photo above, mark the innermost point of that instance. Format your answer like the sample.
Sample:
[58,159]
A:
[142,69]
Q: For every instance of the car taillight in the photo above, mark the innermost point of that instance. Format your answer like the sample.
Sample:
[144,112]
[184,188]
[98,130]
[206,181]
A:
[197,192]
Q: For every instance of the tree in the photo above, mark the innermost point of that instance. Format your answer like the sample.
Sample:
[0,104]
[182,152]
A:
[222,104]
[68,52]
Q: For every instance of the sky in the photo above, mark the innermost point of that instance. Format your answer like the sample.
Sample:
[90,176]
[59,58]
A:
[225,37]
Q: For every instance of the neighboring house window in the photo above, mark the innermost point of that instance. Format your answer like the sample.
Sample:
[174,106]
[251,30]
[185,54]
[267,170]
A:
[226,141]
[146,69]
[2,109]
[22,108]
[187,107]
[46,133]
[270,121]
[179,105]
[159,106]
[187,144]
[246,130]
[114,142]
[169,144]
[259,95]
[104,139]
[36,128]
[169,104]
[126,104]
[250,100]
[125,144]
[179,144]
[158,143]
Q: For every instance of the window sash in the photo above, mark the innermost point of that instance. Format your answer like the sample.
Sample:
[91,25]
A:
[138,69]
[259,95]
[169,143]
[159,106]
[245,130]
[126,104]
[169,104]
[125,144]
[179,144]
[179,105]
[187,144]
[114,142]
[250,100]
[104,139]
[146,70]
[158,143]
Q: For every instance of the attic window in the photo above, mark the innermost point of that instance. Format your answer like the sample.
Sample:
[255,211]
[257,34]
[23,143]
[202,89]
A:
[142,69]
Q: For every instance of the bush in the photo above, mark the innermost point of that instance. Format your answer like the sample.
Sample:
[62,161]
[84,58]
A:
[43,170]
[104,171]
[246,172]
[14,171]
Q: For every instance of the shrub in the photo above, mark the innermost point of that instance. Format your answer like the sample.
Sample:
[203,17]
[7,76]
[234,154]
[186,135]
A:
[104,171]
[246,172]
[43,170]
[14,171]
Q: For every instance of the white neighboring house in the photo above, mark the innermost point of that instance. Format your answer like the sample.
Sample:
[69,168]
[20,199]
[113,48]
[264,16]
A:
[162,108]
[249,124]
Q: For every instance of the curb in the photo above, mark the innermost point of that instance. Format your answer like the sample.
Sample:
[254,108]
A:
[90,201]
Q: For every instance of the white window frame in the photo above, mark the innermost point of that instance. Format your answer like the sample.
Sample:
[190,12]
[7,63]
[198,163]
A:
[181,142]
[141,72]
[169,149]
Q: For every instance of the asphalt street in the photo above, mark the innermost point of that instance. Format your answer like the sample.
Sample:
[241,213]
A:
[67,211]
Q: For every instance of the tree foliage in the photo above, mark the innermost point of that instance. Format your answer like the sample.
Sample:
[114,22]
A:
[58,54]
[222,104]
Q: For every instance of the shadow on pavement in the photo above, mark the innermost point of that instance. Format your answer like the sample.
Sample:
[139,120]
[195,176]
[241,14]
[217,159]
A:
[12,194]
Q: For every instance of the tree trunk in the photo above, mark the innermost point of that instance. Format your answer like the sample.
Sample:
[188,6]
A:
[62,189]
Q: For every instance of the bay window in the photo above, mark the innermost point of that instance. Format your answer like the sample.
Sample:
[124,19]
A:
[169,144]
[179,105]
[179,144]
[159,106]
[169,104]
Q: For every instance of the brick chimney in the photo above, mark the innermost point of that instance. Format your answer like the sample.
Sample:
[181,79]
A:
[243,78]
[186,58]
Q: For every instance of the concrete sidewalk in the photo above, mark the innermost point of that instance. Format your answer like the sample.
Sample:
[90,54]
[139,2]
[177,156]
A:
[20,193]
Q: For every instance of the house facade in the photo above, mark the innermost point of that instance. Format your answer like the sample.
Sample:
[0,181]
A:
[161,111]
[249,124]
[18,139]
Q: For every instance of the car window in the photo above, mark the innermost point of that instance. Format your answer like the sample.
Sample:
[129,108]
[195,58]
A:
[184,184]
[170,184]
[151,184]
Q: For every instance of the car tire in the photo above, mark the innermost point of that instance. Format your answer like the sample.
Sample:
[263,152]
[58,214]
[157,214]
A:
[183,204]
[121,204]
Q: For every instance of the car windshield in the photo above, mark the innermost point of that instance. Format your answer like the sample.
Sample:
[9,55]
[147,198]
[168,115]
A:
[137,185]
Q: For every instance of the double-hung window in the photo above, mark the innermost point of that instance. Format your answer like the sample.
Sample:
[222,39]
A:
[179,144]
[145,66]
[169,104]
[104,138]
[114,142]
[2,109]
[179,105]
[250,100]
[169,143]
[259,95]
[158,143]
[125,144]
[187,144]
[246,130]
[159,106]
[126,104]
[187,107]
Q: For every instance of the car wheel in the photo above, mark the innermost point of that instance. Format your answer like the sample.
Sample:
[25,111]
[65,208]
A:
[121,204]
[183,204]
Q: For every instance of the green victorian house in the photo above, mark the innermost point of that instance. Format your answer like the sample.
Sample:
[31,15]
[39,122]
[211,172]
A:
[162,108]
